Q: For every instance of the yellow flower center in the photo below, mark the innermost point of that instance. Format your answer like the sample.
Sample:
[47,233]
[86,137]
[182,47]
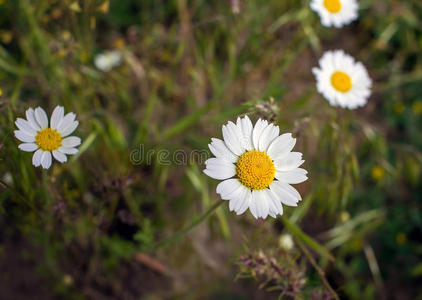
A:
[341,81]
[255,170]
[333,6]
[48,139]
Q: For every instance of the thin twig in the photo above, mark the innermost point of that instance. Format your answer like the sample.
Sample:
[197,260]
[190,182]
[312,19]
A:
[320,272]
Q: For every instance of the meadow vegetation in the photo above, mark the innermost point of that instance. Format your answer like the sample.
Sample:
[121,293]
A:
[102,225]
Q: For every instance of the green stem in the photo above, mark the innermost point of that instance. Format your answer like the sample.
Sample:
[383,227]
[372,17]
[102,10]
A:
[45,187]
[181,233]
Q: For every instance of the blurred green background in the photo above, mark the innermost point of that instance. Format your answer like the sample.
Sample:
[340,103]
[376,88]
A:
[87,229]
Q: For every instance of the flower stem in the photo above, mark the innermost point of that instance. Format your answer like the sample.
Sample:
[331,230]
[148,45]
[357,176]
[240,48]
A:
[181,233]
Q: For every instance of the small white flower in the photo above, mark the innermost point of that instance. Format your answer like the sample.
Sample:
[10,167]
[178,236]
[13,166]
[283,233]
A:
[45,140]
[8,178]
[108,60]
[286,242]
[257,167]
[342,81]
[336,12]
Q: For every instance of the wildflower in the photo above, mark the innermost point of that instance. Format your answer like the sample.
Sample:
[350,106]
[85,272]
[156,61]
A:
[8,178]
[377,173]
[417,107]
[108,60]
[6,36]
[66,35]
[257,167]
[399,107]
[344,216]
[119,43]
[47,140]
[401,238]
[286,242]
[342,81]
[104,8]
[67,280]
[336,13]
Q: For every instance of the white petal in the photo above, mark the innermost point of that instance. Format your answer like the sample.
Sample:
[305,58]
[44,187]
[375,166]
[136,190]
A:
[41,117]
[59,156]
[243,195]
[227,187]
[276,201]
[289,162]
[56,116]
[281,146]
[244,205]
[257,131]
[283,194]
[218,174]
[36,158]
[272,208]
[236,197]
[292,191]
[253,205]
[46,160]
[28,147]
[30,116]
[20,135]
[69,129]
[24,126]
[68,150]
[293,176]
[232,203]
[71,141]
[267,136]
[219,169]
[245,127]
[232,136]
[262,207]
[220,150]
[66,121]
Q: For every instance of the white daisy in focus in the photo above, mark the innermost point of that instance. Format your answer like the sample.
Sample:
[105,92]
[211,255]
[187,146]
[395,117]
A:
[45,140]
[257,167]
[336,13]
[108,60]
[342,81]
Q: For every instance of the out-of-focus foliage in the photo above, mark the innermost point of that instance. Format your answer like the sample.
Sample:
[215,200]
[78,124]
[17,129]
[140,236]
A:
[89,228]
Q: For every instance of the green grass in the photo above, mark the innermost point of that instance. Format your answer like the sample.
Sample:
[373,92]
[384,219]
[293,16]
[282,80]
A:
[188,68]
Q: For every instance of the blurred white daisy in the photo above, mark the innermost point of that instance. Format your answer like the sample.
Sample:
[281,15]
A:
[108,60]
[45,140]
[336,13]
[257,167]
[286,241]
[342,81]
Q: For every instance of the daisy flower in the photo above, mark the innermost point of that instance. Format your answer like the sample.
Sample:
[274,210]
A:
[336,12]
[342,81]
[108,60]
[45,140]
[257,167]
